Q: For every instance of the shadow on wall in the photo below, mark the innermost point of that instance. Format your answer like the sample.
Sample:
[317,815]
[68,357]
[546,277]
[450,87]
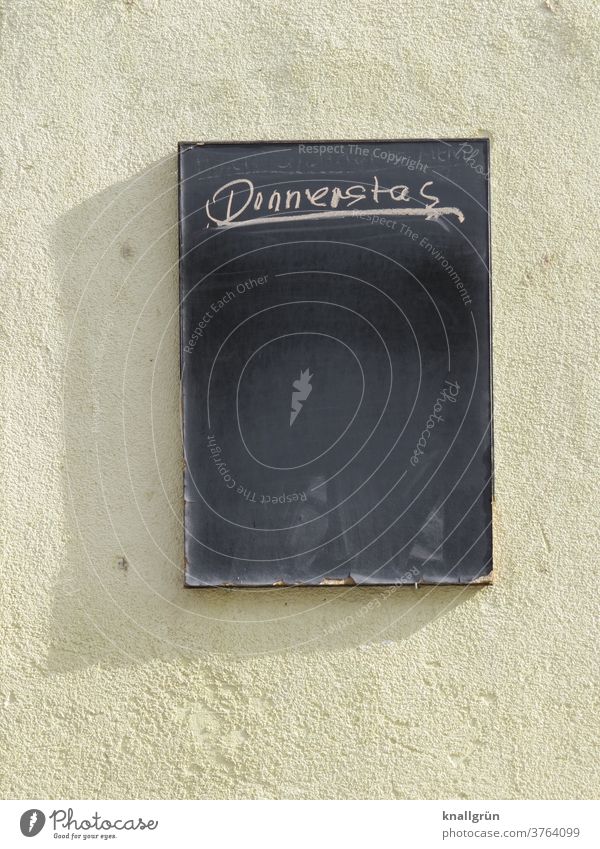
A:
[121,599]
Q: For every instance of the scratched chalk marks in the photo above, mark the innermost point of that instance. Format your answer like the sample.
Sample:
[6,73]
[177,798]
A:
[336,363]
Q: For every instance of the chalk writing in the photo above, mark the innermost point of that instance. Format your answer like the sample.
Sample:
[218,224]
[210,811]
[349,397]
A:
[230,201]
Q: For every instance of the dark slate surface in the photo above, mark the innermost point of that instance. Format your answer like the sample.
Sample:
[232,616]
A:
[336,368]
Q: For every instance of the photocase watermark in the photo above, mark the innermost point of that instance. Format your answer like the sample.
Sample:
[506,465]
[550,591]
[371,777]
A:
[408,577]
[321,149]
[380,219]
[410,233]
[470,155]
[32,822]
[250,495]
[389,156]
[448,393]
[241,288]
[408,162]
[302,389]
[448,268]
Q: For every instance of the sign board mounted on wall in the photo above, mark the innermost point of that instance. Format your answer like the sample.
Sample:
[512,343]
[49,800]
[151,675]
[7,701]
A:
[335,363]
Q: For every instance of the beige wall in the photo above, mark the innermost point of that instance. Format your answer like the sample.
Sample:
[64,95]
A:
[115,681]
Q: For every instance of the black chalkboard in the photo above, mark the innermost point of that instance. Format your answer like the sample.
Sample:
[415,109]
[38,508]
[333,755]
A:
[335,362]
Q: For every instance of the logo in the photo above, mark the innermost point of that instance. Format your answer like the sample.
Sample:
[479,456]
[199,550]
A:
[303,389]
[32,822]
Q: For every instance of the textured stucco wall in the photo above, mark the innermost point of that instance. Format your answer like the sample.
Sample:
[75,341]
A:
[115,682]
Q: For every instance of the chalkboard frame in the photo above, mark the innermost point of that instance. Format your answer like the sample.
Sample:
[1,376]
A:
[483,580]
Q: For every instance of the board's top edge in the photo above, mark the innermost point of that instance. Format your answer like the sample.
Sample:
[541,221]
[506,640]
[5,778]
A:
[205,143]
